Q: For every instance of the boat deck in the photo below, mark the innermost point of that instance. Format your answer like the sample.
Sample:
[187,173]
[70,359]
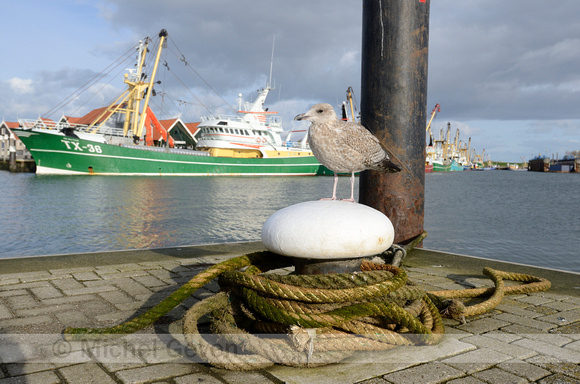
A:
[527,338]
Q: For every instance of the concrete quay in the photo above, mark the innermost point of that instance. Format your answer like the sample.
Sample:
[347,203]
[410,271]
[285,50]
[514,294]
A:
[528,338]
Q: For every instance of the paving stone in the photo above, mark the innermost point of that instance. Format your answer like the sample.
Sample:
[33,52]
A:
[512,301]
[19,302]
[116,316]
[574,298]
[68,299]
[95,307]
[154,372]
[374,380]
[8,281]
[16,292]
[48,292]
[483,325]
[151,264]
[42,310]
[164,275]
[571,330]
[86,373]
[555,365]
[115,357]
[9,276]
[424,374]
[5,312]
[477,360]
[201,378]
[526,370]
[520,330]
[129,267]
[121,275]
[22,322]
[97,283]
[165,355]
[558,379]
[535,300]
[562,305]
[150,281]
[545,310]
[60,274]
[527,322]
[502,336]
[233,377]
[26,369]
[19,286]
[518,310]
[561,318]
[65,284]
[72,318]
[562,354]
[116,297]
[575,345]
[132,287]
[46,377]
[466,380]
[496,375]
[86,276]
[70,270]
[26,277]
[551,338]
[500,346]
[551,295]
[88,290]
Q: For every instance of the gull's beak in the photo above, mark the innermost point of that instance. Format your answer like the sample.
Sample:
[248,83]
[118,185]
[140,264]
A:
[302,116]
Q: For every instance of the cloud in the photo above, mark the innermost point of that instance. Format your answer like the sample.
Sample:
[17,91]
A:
[21,86]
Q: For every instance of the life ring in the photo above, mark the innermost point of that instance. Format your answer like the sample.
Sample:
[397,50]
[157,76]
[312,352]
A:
[258,140]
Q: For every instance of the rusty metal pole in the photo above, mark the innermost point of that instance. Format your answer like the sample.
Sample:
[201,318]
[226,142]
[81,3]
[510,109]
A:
[395,39]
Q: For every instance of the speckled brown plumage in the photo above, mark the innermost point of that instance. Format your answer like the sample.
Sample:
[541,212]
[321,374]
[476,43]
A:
[344,146]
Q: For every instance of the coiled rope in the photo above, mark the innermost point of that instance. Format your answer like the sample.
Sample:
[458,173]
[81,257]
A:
[313,320]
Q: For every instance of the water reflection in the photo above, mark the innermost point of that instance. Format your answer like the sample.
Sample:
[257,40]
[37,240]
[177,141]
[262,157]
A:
[522,217]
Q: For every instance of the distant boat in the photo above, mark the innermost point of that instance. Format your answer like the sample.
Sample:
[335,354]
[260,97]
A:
[444,155]
[128,139]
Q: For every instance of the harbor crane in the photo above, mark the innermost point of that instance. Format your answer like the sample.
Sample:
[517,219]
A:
[433,114]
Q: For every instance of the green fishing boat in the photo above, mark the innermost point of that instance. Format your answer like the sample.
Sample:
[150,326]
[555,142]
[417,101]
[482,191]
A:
[126,138]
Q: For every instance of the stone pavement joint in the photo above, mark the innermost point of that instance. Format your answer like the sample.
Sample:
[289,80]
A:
[527,338]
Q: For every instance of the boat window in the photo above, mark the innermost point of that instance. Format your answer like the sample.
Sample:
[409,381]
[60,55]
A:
[222,123]
[237,132]
[221,130]
[246,133]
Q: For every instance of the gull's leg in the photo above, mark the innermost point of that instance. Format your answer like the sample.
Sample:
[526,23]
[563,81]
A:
[351,189]
[333,188]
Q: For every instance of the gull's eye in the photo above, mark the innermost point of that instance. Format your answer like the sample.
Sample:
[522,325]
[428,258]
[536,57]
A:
[319,111]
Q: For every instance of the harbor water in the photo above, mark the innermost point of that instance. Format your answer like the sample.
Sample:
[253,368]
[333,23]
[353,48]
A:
[522,217]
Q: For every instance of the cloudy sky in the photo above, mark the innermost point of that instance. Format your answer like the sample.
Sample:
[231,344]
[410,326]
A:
[506,73]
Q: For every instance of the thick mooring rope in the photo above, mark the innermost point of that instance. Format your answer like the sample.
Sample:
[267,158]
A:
[312,320]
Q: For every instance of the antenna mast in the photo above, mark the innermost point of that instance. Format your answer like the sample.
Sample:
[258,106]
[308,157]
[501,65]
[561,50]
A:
[269,85]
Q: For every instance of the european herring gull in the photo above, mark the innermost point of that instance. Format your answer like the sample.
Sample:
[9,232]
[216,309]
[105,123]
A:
[344,146]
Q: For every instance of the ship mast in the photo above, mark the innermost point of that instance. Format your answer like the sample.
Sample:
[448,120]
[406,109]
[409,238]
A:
[162,36]
[130,101]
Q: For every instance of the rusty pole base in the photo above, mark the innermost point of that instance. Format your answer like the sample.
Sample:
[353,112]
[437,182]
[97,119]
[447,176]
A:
[319,267]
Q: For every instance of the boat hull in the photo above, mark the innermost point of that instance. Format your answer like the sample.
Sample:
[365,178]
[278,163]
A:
[450,167]
[55,153]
